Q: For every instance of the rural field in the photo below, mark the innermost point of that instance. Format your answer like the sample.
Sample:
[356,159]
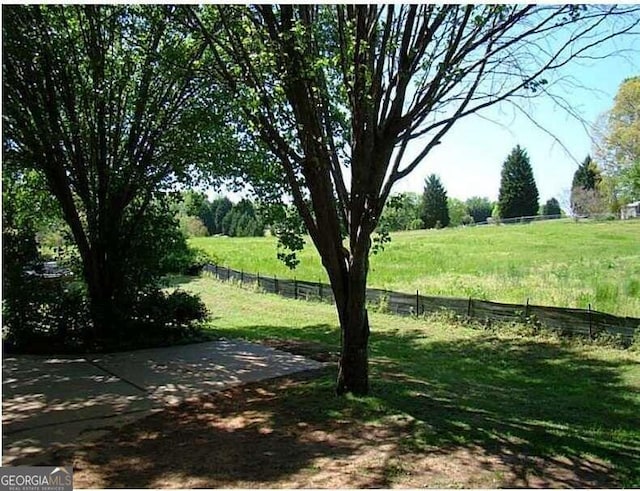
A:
[560,263]
[450,406]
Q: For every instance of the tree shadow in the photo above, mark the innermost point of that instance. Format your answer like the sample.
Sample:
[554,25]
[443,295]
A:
[247,436]
[543,414]
[528,404]
[520,400]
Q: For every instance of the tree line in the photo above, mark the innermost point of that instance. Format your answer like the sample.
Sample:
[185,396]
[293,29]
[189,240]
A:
[593,191]
[199,217]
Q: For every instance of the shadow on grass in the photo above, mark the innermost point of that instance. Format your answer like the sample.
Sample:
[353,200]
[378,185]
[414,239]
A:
[520,400]
[541,412]
[248,436]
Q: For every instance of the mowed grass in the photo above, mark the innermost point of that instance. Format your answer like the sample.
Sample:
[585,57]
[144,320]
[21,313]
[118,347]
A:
[523,402]
[560,263]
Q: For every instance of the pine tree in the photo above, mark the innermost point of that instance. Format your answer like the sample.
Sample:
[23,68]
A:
[587,176]
[434,211]
[585,192]
[518,191]
[551,208]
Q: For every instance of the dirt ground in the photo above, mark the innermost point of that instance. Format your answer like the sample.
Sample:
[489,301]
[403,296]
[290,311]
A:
[246,437]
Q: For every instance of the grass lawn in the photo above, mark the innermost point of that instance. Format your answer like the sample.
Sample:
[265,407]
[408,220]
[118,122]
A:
[558,262]
[451,406]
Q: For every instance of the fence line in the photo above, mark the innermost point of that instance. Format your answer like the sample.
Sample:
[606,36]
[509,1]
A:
[586,322]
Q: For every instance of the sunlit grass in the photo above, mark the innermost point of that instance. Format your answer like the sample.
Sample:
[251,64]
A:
[560,263]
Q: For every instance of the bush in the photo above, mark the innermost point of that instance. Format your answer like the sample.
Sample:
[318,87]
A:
[199,258]
[46,316]
[187,260]
[193,226]
[158,318]
[53,316]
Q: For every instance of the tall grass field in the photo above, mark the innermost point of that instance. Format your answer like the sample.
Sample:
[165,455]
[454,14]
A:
[559,262]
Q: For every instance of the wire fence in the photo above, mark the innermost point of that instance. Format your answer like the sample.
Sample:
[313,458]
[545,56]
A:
[586,322]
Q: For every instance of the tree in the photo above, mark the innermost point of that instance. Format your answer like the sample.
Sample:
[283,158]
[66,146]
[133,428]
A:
[618,143]
[104,102]
[552,208]
[338,92]
[587,175]
[433,207]
[586,178]
[401,212]
[458,213]
[220,208]
[192,226]
[479,208]
[242,221]
[587,202]
[518,196]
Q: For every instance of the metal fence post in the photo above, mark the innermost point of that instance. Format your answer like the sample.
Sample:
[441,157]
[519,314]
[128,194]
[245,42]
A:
[320,289]
[295,288]
[526,309]
[417,303]
[469,308]
[275,283]
[590,326]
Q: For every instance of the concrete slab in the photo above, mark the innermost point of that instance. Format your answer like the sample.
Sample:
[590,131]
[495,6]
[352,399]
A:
[52,401]
[56,401]
[170,375]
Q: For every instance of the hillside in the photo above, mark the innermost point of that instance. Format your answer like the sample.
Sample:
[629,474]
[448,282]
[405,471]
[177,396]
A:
[561,263]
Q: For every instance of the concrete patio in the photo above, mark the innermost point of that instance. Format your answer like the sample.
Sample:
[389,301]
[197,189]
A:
[50,401]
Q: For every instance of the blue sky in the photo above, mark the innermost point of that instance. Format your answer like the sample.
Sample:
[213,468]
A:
[470,157]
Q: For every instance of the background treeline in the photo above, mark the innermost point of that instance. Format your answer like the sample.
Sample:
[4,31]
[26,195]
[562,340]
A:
[591,195]
[407,211]
[199,217]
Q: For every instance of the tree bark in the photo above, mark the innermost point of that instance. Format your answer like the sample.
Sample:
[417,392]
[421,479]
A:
[353,373]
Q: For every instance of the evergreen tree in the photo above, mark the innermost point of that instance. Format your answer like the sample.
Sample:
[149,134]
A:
[434,211]
[585,192]
[551,208]
[587,176]
[518,191]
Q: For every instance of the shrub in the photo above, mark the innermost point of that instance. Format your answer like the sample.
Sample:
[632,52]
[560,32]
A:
[53,316]
[159,318]
[46,316]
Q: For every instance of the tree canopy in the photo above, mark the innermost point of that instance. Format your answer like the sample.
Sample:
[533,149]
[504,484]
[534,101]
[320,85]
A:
[552,208]
[585,188]
[479,208]
[618,145]
[434,210]
[105,102]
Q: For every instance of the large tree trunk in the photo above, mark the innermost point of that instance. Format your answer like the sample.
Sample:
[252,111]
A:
[101,292]
[353,374]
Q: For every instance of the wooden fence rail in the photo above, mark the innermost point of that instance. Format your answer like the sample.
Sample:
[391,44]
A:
[569,320]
